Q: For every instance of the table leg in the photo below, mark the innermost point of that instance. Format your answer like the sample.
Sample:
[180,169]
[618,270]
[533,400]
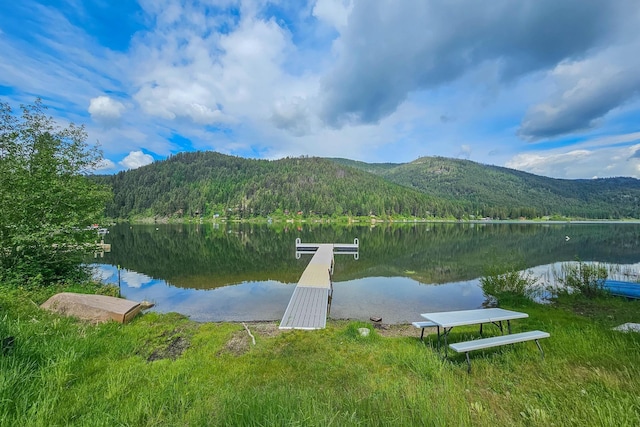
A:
[509,326]
[446,341]
[498,325]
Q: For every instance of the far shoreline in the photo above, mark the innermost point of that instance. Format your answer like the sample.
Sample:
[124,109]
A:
[363,221]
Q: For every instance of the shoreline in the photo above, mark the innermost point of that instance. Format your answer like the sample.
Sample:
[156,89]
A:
[366,221]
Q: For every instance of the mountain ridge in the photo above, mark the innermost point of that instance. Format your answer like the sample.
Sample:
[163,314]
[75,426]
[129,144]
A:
[209,183]
[482,186]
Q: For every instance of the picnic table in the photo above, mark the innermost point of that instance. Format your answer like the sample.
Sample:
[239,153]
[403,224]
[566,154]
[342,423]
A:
[447,320]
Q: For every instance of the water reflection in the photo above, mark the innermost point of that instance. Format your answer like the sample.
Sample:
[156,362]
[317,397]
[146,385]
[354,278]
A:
[243,302]
[396,300]
[400,299]
[248,272]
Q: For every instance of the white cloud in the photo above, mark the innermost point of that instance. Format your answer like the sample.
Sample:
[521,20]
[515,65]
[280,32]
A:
[586,91]
[370,80]
[333,12]
[292,115]
[105,110]
[465,151]
[388,51]
[133,279]
[603,163]
[210,78]
[136,159]
[105,164]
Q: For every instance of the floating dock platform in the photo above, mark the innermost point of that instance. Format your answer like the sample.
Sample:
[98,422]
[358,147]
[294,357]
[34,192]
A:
[311,299]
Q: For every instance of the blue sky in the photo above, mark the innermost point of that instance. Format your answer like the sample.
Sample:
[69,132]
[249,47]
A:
[550,87]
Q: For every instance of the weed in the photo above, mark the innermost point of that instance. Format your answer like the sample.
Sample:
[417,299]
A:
[507,281]
[585,278]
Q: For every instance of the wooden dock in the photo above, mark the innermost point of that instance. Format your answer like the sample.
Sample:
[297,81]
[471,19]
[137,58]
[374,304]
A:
[311,299]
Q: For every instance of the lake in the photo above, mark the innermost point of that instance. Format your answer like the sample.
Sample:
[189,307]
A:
[245,272]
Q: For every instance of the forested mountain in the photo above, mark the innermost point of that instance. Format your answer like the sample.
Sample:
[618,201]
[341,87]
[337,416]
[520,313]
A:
[209,183]
[498,192]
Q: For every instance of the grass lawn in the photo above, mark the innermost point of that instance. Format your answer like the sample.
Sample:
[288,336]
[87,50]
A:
[167,370]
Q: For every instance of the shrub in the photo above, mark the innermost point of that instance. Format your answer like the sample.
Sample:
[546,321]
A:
[503,281]
[587,279]
[46,198]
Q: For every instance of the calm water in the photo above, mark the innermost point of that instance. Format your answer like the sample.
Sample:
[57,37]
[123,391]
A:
[247,272]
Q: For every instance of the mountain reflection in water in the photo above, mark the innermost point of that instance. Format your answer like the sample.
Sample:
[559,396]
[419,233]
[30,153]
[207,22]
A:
[248,272]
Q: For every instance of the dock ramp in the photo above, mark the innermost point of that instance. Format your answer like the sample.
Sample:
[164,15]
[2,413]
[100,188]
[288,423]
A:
[311,299]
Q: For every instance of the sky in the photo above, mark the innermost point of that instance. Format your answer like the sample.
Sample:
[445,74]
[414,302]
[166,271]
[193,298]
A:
[550,87]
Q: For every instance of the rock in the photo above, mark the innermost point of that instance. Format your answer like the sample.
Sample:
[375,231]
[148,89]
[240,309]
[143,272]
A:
[364,332]
[628,327]
[375,319]
[145,305]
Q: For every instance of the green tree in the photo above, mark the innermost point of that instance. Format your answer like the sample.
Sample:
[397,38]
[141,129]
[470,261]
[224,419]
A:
[46,200]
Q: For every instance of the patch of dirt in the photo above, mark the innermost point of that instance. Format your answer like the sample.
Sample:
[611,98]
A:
[263,329]
[241,342]
[174,349]
[398,330]
[168,345]
[585,309]
[238,345]
[389,330]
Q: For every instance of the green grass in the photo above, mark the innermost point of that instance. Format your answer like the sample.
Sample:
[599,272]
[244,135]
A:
[63,372]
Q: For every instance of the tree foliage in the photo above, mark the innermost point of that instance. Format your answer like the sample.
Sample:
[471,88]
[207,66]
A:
[502,193]
[45,197]
[209,183]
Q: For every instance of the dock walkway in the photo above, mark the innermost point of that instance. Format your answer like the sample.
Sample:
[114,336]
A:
[311,298]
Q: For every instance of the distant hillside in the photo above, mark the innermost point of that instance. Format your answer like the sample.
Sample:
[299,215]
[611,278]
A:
[506,193]
[375,168]
[208,183]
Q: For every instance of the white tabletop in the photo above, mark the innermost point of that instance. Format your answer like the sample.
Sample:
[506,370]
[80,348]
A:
[449,319]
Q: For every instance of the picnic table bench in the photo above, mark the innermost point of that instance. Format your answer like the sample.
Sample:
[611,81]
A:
[450,319]
[467,346]
[425,324]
